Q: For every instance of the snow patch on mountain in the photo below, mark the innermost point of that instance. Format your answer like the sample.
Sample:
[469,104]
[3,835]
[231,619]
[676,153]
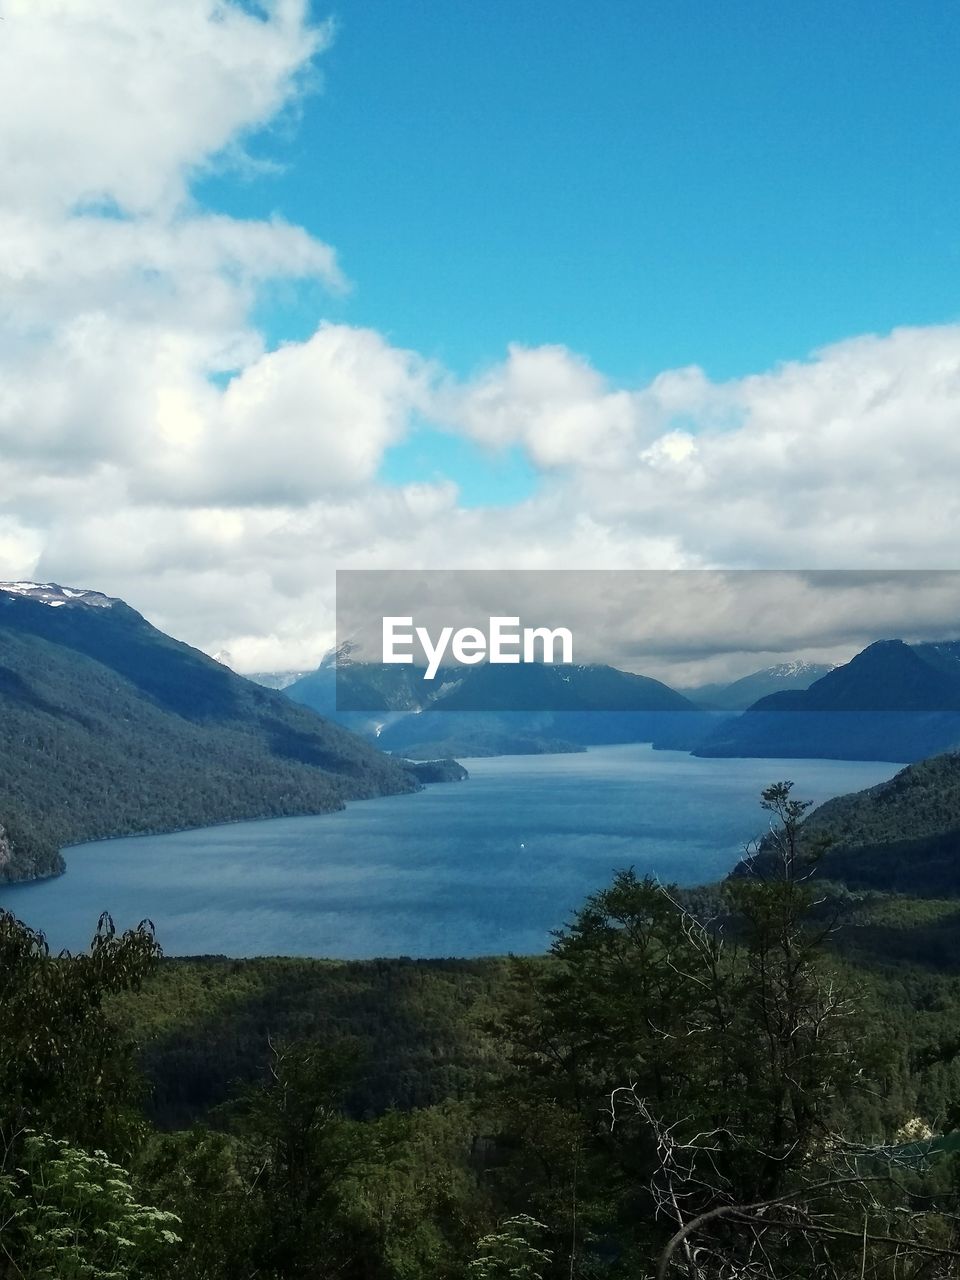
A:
[791,670]
[52,594]
[278,680]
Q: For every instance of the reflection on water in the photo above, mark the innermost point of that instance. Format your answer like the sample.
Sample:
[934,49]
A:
[480,867]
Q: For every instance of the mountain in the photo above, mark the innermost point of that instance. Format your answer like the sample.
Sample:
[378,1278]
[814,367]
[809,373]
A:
[524,709]
[492,709]
[383,694]
[110,727]
[893,701]
[474,733]
[742,693]
[900,836]
[366,691]
[537,687]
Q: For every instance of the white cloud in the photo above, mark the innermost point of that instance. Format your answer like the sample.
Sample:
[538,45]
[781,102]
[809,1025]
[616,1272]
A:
[115,325]
[153,447]
[846,458]
[549,400]
[124,100]
[308,419]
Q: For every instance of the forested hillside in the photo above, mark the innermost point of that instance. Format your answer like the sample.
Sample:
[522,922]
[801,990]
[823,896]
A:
[901,836]
[527,709]
[110,727]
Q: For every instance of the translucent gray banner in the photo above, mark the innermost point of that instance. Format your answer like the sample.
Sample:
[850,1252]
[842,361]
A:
[859,664]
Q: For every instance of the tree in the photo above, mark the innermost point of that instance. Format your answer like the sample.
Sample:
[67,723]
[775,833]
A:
[68,1082]
[65,1066]
[705,1065]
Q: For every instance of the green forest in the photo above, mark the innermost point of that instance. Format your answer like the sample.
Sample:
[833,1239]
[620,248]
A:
[759,1078]
[109,727]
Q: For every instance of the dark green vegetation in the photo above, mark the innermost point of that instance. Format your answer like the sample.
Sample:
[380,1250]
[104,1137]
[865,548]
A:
[416,1028]
[901,836]
[443,769]
[746,1080]
[108,727]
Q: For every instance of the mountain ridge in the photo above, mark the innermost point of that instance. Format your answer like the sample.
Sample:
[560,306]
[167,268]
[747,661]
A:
[490,709]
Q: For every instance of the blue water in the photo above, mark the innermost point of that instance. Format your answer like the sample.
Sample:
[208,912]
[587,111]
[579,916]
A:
[480,867]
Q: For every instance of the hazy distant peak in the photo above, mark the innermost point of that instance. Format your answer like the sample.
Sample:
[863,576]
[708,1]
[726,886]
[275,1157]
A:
[278,680]
[52,594]
[799,667]
[341,656]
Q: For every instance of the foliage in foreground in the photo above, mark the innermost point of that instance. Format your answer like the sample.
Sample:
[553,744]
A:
[67,1214]
[689,1085]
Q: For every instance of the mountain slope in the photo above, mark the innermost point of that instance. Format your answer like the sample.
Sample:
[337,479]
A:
[901,836]
[921,800]
[493,709]
[381,694]
[110,727]
[744,692]
[893,701]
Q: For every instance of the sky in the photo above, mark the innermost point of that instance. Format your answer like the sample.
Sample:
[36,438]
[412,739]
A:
[289,288]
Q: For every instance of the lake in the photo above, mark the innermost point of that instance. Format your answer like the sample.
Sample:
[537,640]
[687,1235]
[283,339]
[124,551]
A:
[480,867]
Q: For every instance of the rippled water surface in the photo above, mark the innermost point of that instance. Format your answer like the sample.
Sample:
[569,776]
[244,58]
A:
[479,867]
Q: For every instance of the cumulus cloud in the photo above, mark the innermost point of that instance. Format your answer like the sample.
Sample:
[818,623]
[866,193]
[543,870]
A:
[154,447]
[122,101]
[131,377]
[846,458]
[308,419]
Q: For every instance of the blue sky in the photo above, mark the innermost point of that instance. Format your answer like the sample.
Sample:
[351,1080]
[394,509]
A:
[652,184]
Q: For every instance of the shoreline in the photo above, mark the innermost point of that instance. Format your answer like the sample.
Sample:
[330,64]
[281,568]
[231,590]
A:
[482,871]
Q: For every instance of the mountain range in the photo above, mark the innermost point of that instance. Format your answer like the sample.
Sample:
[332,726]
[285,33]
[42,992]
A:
[109,727]
[743,693]
[892,701]
[490,709]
